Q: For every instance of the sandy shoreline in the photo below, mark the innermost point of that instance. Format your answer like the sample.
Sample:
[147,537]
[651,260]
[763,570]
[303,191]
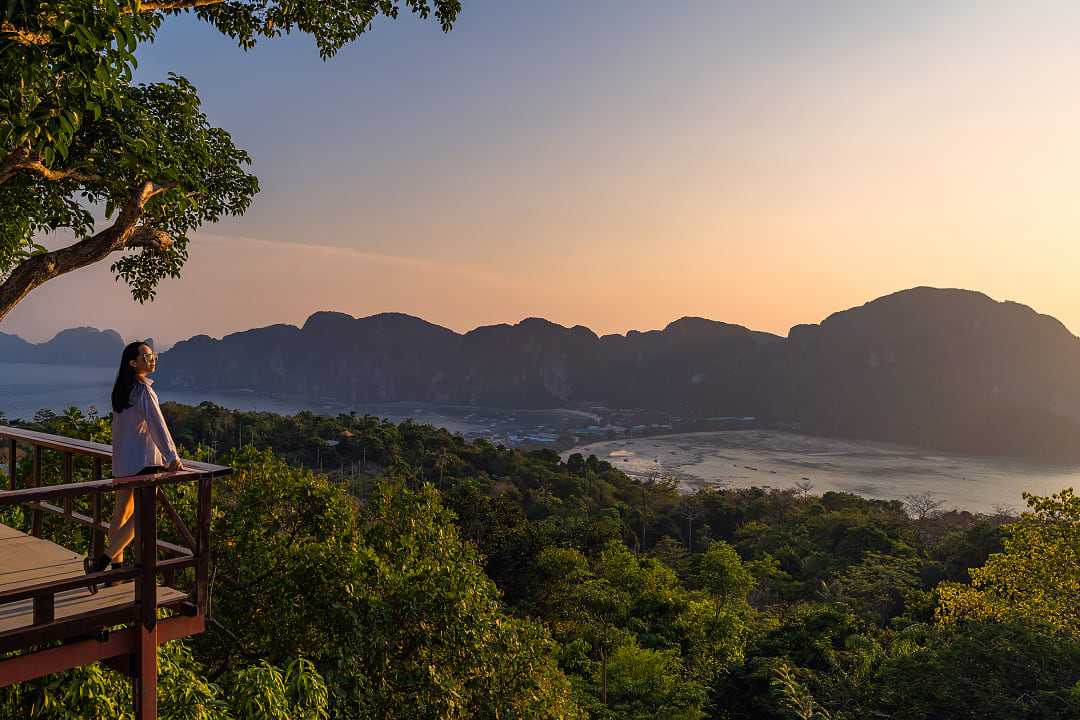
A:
[766,458]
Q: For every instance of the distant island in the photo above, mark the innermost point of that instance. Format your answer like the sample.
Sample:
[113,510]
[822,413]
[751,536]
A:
[75,346]
[939,368]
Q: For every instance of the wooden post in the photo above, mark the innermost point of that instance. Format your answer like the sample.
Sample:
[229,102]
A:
[44,608]
[97,536]
[35,481]
[11,464]
[146,599]
[68,473]
[202,550]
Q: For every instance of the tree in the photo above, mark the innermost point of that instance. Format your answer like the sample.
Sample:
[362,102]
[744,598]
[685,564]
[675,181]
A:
[387,600]
[880,587]
[793,697]
[582,606]
[980,670]
[803,488]
[647,683]
[722,573]
[923,505]
[77,135]
[1035,579]
[691,509]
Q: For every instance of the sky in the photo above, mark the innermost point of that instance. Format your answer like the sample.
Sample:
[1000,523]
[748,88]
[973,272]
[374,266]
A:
[622,163]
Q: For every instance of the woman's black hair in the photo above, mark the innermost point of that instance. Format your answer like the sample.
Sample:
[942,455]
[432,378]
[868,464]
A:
[125,377]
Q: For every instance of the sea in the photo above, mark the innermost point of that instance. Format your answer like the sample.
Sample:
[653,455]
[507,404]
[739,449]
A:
[26,388]
[774,459]
[732,458]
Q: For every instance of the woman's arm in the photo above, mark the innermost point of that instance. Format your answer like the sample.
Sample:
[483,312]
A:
[159,431]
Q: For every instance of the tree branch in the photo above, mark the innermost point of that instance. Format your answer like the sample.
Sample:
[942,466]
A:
[38,269]
[158,189]
[24,37]
[176,5]
[22,160]
[38,167]
[148,237]
[30,37]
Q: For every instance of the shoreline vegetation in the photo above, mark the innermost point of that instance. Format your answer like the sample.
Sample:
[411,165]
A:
[372,569]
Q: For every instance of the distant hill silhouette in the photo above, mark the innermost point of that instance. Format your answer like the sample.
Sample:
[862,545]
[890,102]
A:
[692,366]
[75,346]
[948,369]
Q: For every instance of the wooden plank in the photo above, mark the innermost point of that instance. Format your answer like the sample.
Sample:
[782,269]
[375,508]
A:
[26,560]
[178,563]
[57,442]
[74,582]
[74,603]
[181,626]
[30,565]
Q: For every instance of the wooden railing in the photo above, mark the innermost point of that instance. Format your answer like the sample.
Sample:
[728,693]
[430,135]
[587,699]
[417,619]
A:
[85,627]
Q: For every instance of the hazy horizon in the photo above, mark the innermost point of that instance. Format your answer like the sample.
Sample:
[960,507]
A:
[622,165]
[166,341]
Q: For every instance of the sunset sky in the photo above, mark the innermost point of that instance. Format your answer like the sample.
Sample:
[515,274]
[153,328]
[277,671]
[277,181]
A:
[623,163]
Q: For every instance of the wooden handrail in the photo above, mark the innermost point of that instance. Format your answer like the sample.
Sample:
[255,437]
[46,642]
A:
[193,469]
[88,448]
[55,492]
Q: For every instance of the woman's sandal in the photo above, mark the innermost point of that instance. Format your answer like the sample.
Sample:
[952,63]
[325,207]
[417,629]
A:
[95,565]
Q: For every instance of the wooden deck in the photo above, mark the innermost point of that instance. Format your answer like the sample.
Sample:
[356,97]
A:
[27,561]
[49,619]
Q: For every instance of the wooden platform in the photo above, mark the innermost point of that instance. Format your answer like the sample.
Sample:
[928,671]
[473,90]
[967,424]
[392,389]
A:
[26,561]
[49,620]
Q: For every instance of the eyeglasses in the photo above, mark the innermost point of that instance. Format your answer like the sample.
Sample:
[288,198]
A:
[148,357]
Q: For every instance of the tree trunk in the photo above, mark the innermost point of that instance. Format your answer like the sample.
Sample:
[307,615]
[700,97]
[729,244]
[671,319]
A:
[37,270]
[603,675]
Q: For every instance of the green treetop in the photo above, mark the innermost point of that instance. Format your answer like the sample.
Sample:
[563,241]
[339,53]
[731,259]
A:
[1036,578]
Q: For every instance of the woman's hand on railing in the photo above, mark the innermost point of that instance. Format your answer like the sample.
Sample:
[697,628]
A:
[176,465]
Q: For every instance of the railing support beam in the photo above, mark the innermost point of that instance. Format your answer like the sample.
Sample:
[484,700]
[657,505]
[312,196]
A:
[97,535]
[145,688]
[12,452]
[35,481]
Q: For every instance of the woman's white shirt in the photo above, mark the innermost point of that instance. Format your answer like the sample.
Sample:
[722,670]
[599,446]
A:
[140,437]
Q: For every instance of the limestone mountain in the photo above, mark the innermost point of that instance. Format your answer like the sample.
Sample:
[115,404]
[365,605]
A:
[950,369]
[74,346]
[940,368]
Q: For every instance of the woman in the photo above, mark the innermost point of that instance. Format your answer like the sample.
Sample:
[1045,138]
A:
[141,444]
